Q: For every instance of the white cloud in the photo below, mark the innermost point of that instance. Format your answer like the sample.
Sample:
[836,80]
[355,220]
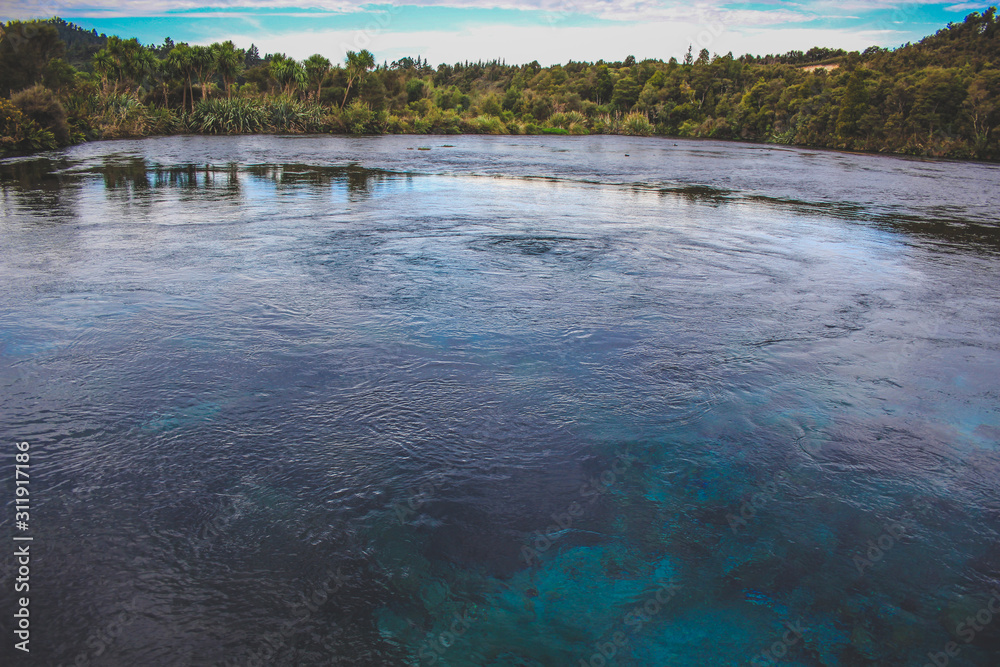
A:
[965,6]
[609,9]
[548,45]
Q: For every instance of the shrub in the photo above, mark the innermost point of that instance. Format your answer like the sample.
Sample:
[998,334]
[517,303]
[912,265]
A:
[567,120]
[636,124]
[20,134]
[486,124]
[359,118]
[439,122]
[285,114]
[229,116]
[42,106]
[118,116]
[399,125]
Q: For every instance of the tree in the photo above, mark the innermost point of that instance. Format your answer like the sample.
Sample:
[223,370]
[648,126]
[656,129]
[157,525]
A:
[852,106]
[252,58]
[26,49]
[181,61]
[626,93]
[204,61]
[230,63]
[125,61]
[138,64]
[358,65]
[162,73]
[983,105]
[104,65]
[287,72]
[317,67]
[603,84]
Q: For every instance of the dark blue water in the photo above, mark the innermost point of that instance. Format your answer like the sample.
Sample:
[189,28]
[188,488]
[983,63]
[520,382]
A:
[507,401]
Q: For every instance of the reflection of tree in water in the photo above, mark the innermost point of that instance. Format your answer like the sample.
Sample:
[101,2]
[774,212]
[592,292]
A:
[125,174]
[41,183]
[38,184]
[942,226]
[359,180]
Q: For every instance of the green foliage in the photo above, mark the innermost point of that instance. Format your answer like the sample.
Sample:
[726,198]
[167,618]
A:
[119,116]
[937,97]
[359,118]
[285,114]
[626,94]
[485,124]
[27,49]
[230,116]
[42,106]
[636,124]
[20,134]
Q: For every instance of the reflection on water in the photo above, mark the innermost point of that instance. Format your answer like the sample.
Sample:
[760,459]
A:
[329,401]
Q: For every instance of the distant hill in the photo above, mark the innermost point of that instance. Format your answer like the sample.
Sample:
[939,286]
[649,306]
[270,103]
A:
[81,45]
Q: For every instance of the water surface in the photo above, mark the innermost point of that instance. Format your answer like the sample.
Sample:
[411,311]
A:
[507,401]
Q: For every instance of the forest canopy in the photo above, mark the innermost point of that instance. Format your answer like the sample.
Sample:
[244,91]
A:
[61,84]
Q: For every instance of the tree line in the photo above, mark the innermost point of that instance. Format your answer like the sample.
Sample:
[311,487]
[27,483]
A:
[938,97]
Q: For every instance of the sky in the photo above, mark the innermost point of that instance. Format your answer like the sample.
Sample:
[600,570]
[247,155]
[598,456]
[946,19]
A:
[516,31]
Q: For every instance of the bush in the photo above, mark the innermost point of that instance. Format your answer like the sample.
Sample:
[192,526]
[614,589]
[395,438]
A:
[359,118]
[42,106]
[399,125]
[567,120]
[118,116]
[229,116]
[288,115]
[20,134]
[636,124]
[439,122]
[485,124]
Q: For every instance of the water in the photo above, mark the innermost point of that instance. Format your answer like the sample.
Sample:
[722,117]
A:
[507,401]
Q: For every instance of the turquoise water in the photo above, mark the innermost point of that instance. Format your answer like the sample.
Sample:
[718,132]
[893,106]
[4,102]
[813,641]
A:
[509,401]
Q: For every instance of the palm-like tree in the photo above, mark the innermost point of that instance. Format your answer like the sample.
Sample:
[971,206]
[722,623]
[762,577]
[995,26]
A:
[205,64]
[139,63]
[104,65]
[230,63]
[181,61]
[287,72]
[358,65]
[317,68]
[162,72]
